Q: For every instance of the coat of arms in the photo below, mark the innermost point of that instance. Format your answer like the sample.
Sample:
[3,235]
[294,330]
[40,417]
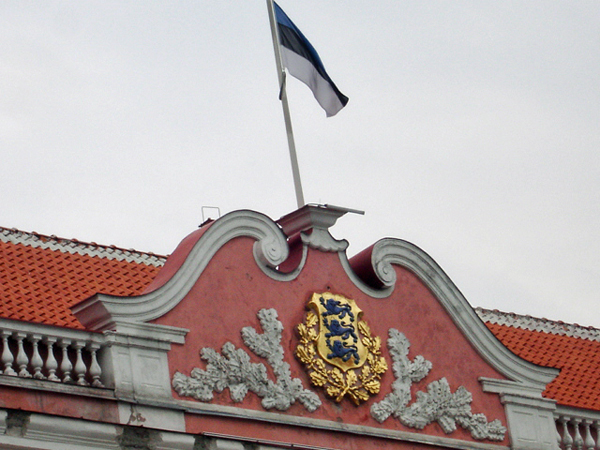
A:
[338,350]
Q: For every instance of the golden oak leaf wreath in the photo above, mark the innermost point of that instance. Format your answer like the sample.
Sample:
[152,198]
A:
[335,382]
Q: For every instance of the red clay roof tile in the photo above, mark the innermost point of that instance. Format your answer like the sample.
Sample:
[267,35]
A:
[573,349]
[42,276]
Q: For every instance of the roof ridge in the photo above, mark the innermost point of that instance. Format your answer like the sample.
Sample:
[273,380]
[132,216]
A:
[536,324]
[37,240]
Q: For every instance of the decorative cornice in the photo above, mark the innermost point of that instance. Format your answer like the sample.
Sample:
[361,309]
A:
[579,413]
[388,252]
[313,223]
[53,432]
[102,312]
[30,328]
[73,246]
[535,324]
[375,292]
[146,335]
[323,241]
[405,437]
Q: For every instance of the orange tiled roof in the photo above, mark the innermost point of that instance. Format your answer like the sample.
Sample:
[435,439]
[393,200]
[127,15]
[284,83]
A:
[42,276]
[573,349]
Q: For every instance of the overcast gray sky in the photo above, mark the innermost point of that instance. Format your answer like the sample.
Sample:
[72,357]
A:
[472,130]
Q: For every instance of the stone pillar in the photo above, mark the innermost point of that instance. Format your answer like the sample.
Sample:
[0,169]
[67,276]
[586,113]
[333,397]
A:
[136,358]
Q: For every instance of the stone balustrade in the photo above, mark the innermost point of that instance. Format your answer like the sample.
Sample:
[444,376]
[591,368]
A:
[51,353]
[576,431]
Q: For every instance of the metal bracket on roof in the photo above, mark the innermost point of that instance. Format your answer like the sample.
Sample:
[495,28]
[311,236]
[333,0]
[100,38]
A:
[210,208]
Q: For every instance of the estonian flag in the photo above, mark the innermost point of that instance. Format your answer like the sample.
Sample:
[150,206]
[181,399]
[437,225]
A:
[302,61]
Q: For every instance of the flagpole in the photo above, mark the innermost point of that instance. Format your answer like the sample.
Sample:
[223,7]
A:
[284,104]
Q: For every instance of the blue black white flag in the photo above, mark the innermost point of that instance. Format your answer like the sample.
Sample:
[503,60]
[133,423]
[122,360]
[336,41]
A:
[302,61]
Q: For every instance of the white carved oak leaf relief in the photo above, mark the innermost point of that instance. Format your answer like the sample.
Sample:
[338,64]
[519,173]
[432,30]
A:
[233,369]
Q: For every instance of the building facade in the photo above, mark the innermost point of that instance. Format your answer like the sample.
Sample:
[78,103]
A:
[262,334]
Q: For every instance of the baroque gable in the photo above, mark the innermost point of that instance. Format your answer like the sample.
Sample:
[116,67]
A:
[270,322]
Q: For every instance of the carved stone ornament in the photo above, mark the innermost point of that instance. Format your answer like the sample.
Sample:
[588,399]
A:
[342,357]
[438,404]
[338,351]
[234,370]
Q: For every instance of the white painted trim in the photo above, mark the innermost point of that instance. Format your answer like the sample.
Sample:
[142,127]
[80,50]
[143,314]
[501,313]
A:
[318,219]
[276,275]
[101,312]
[56,387]
[148,416]
[384,292]
[578,413]
[148,334]
[322,240]
[537,324]
[388,252]
[3,415]
[51,331]
[74,246]
[46,432]
[327,425]
[497,386]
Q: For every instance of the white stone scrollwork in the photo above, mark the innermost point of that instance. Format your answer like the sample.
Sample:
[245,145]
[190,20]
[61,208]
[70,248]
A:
[313,223]
[103,312]
[323,241]
[438,404]
[233,370]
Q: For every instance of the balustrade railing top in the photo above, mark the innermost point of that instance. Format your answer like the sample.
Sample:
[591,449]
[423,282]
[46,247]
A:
[45,352]
[577,429]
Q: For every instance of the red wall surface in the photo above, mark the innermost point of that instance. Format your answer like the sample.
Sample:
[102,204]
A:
[231,291]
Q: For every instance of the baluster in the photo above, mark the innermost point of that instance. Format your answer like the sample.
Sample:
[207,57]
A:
[51,363]
[597,427]
[7,356]
[578,440]
[36,360]
[22,359]
[589,440]
[567,440]
[80,369]
[33,362]
[65,363]
[95,369]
